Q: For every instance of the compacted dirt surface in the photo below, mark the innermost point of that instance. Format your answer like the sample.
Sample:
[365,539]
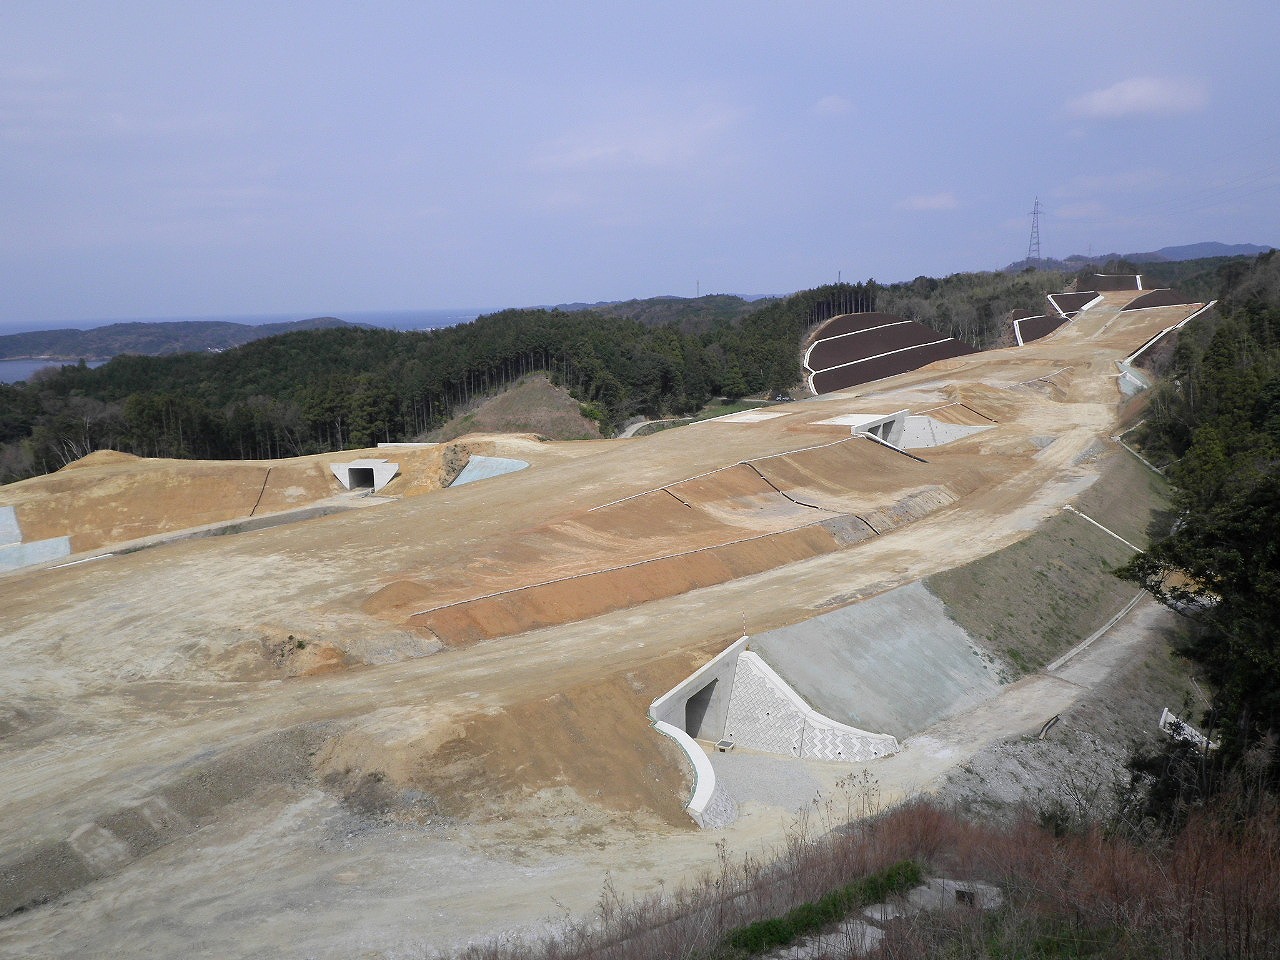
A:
[404,728]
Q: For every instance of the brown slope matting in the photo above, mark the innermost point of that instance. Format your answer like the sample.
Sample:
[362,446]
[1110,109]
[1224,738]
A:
[1069,302]
[1034,328]
[1156,298]
[854,322]
[859,346]
[1110,282]
[892,365]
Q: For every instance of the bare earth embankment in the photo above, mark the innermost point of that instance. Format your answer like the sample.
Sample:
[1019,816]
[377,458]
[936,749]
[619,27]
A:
[474,750]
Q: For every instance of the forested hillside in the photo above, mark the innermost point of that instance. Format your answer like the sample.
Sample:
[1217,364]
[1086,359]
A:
[696,315]
[1216,421]
[348,387]
[177,336]
[969,306]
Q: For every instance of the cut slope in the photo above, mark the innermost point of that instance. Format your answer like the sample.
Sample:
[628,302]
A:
[730,523]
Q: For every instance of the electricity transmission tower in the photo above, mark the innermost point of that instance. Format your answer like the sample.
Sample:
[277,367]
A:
[1033,246]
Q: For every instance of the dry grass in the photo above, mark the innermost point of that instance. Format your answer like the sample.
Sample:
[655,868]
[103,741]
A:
[1034,600]
[1037,598]
[1211,891]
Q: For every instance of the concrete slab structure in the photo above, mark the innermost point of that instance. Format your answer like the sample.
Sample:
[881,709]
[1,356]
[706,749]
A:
[365,474]
[766,714]
[895,662]
[486,468]
[738,698]
[922,432]
[15,556]
[9,530]
[748,416]
[885,426]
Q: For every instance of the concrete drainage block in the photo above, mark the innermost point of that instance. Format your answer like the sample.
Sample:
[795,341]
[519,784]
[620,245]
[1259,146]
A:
[937,894]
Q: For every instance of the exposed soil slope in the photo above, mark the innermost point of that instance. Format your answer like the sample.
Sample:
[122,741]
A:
[126,677]
[535,406]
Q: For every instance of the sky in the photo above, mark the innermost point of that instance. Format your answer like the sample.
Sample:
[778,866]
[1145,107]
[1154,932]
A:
[163,159]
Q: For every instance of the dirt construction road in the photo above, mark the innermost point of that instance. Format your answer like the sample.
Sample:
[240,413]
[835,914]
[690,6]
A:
[225,748]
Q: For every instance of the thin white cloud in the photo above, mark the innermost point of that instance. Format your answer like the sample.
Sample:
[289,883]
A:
[1085,210]
[1141,96]
[931,202]
[45,107]
[832,106]
[648,139]
[1127,181]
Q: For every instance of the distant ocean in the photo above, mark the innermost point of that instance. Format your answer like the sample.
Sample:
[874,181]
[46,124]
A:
[11,371]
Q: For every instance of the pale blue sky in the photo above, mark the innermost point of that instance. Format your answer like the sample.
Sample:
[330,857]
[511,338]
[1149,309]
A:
[179,159]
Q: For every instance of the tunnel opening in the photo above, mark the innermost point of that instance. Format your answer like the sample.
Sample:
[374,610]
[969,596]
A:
[695,713]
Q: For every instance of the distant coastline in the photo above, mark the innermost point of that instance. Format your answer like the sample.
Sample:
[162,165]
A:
[16,370]
[24,352]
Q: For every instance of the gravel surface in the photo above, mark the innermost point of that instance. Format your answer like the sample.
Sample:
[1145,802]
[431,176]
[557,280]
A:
[762,778]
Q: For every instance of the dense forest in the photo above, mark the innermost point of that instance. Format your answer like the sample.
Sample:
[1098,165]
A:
[329,389]
[1214,421]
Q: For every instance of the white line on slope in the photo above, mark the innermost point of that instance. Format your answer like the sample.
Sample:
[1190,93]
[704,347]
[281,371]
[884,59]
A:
[1102,528]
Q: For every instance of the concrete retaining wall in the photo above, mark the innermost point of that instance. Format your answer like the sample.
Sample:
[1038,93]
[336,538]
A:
[709,807]
[9,530]
[15,556]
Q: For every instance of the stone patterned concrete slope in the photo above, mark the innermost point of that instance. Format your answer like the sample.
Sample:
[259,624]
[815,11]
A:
[765,714]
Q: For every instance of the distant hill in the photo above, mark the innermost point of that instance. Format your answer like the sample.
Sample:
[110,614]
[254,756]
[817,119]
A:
[690,314]
[1199,251]
[149,338]
[1190,251]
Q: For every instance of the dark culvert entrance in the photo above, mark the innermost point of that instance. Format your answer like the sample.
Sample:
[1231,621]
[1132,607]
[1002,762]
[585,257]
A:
[360,478]
[695,710]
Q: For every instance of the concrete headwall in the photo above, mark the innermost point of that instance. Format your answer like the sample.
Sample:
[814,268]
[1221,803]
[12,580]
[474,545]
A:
[709,806]
[382,471]
[672,706]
